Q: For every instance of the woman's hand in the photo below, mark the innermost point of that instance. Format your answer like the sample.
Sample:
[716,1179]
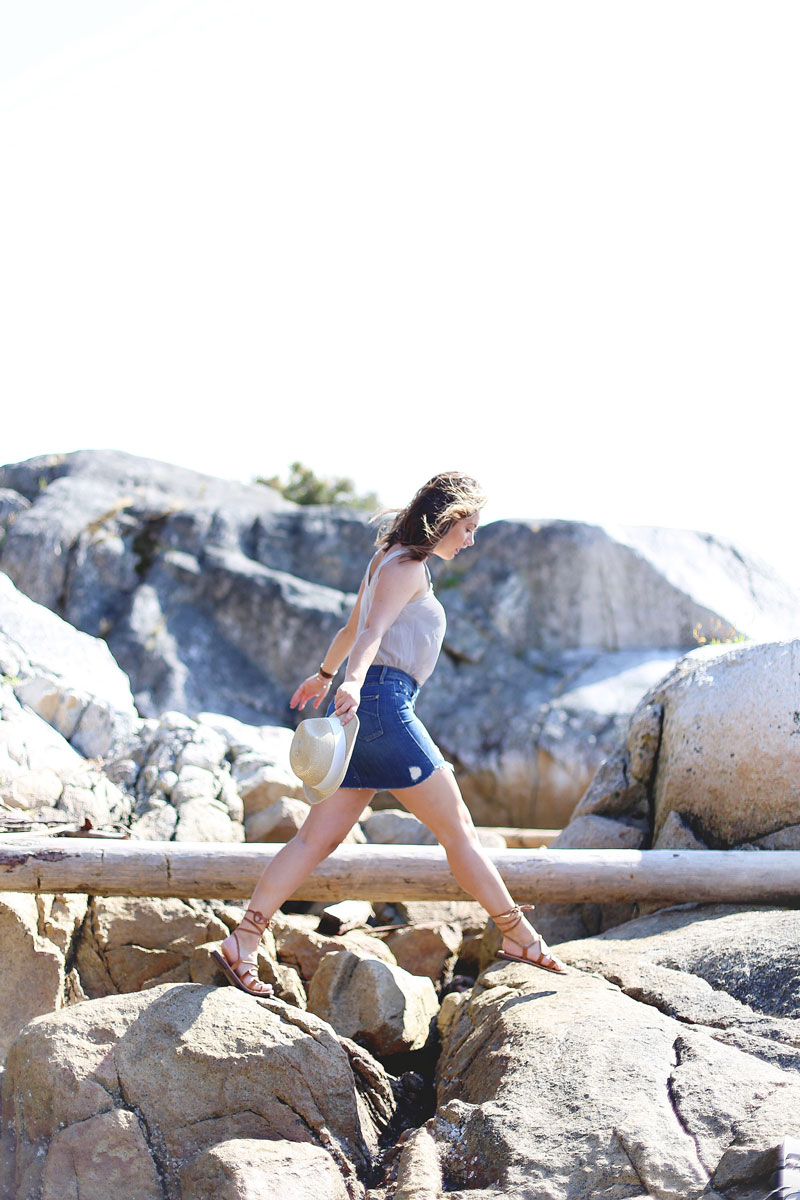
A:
[348,698]
[314,688]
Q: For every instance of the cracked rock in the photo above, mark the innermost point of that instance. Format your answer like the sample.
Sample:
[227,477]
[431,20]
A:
[128,944]
[36,933]
[664,1065]
[169,1073]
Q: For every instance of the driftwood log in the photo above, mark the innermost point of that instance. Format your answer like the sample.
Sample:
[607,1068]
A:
[203,870]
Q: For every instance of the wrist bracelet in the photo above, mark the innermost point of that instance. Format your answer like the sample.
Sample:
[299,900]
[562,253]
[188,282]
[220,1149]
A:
[323,674]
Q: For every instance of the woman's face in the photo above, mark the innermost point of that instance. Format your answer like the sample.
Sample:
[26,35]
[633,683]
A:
[460,535]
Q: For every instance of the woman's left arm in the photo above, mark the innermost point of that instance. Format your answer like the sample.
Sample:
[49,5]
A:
[315,687]
[399,583]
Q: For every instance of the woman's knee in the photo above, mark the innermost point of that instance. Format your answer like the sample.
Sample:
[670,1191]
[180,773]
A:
[318,842]
[325,828]
[459,834]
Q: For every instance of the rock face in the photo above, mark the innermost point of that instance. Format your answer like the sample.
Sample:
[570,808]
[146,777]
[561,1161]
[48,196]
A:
[713,751]
[729,758]
[238,1170]
[36,936]
[216,596]
[664,1066]
[379,1005]
[156,1081]
[127,945]
[710,759]
[42,775]
[67,678]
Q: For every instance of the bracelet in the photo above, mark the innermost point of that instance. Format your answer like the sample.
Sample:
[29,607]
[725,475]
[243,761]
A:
[323,674]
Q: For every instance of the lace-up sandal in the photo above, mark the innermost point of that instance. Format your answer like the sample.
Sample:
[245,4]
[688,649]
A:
[508,921]
[243,972]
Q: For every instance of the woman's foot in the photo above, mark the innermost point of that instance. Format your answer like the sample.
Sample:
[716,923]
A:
[521,943]
[237,955]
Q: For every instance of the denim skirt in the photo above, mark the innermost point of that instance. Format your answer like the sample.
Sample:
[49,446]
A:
[393,748]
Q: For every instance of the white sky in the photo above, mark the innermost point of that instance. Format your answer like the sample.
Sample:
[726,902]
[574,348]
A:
[554,245]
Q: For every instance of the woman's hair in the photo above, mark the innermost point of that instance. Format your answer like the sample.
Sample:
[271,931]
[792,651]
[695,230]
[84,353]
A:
[443,500]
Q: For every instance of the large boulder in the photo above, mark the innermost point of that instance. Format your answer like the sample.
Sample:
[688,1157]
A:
[663,1064]
[732,970]
[713,749]
[729,756]
[159,1079]
[177,570]
[378,1004]
[710,759]
[216,596]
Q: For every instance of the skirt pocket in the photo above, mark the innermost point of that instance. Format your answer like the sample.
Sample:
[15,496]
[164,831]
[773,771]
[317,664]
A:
[369,719]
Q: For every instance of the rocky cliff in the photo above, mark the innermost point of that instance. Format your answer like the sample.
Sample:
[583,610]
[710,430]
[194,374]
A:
[217,597]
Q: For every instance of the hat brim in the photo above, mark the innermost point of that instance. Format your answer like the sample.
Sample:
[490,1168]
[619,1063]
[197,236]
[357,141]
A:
[314,795]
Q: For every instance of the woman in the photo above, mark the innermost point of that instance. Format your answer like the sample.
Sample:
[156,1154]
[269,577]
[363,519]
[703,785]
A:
[391,642]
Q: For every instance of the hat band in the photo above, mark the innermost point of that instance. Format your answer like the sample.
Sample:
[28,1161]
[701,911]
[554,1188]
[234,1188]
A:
[337,761]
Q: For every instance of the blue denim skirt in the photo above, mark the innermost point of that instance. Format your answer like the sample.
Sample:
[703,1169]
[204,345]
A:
[393,748]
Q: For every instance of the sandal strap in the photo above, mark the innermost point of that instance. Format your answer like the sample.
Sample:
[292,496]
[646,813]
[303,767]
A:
[534,958]
[250,966]
[507,921]
[250,972]
[256,920]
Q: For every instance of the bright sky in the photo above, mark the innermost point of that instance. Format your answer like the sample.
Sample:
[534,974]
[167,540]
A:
[554,245]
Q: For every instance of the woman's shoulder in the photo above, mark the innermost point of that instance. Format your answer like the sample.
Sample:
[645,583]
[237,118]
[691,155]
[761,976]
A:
[397,563]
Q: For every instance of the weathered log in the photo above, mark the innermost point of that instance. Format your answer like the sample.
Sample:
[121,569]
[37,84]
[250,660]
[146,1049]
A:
[224,871]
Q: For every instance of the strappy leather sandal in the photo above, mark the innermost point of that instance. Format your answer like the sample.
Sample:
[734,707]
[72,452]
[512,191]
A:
[508,921]
[246,980]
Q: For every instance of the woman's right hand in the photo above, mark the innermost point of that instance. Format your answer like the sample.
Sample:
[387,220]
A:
[314,688]
[348,698]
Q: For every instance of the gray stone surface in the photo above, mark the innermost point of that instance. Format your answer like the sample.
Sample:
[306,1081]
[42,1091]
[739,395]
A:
[710,759]
[394,826]
[195,1067]
[734,970]
[240,1168]
[43,777]
[663,1065]
[711,755]
[36,936]
[66,677]
[601,832]
[729,757]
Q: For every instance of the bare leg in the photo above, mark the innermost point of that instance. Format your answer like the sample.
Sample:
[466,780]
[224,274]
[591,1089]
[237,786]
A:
[322,831]
[438,803]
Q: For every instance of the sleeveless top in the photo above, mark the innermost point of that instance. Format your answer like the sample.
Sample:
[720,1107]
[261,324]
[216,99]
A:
[413,640]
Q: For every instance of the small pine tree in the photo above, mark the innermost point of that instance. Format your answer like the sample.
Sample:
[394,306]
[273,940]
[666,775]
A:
[305,487]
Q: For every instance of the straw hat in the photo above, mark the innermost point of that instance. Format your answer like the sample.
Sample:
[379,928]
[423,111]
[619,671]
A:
[319,754]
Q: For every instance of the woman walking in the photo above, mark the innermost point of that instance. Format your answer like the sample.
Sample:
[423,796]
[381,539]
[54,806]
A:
[372,739]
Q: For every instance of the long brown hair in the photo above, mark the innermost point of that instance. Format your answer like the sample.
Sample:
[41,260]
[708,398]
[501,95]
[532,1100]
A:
[442,501]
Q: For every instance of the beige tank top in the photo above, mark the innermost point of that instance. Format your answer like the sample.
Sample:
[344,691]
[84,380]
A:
[413,641]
